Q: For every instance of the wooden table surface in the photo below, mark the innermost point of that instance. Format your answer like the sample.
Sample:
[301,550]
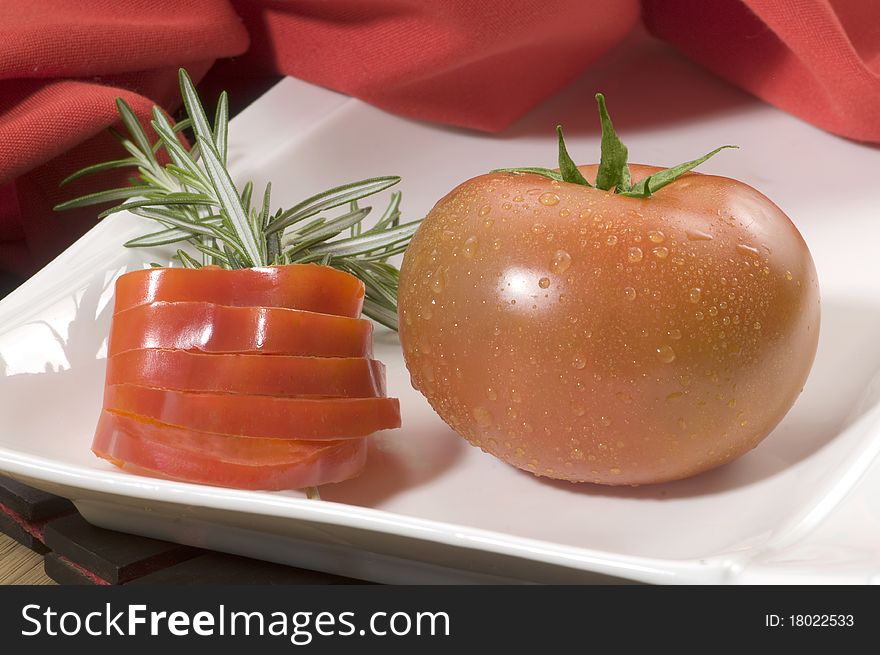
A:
[20,565]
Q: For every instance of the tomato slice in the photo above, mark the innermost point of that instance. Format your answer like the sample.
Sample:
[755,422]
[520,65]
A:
[221,329]
[245,463]
[295,286]
[277,375]
[257,416]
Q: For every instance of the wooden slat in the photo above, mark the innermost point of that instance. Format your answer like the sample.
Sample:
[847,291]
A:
[113,556]
[18,565]
[29,503]
[218,568]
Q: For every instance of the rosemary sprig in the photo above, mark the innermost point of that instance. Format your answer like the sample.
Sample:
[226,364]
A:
[196,203]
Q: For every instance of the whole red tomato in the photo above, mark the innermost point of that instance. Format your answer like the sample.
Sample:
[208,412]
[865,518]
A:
[625,333]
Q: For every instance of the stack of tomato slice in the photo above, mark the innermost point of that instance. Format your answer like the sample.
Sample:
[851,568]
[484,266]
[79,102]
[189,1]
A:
[258,378]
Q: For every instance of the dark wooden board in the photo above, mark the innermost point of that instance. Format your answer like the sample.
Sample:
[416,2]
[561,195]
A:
[13,528]
[65,572]
[113,556]
[29,503]
[218,568]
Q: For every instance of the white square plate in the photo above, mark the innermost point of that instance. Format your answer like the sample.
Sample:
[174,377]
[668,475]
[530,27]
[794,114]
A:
[802,507]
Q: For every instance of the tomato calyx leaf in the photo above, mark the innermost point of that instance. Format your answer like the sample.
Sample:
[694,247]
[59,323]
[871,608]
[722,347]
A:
[613,173]
[567,167]
[544,172]
[648,186]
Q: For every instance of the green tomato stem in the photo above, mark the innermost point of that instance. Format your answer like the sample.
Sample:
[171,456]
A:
[613,174]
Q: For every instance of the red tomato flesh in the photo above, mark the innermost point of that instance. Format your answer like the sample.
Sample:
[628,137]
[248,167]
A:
[221,329]
[257,416]
[276,375]
[296,286]
[150,448]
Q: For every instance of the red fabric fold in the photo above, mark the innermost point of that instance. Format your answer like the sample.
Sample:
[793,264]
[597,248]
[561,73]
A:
[817,59]
[473,64]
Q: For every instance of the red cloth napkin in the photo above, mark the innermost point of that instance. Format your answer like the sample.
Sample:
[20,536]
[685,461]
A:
[475,64]
[818,59]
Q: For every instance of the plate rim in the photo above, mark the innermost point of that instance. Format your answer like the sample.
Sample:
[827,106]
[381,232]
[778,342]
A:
[116,483]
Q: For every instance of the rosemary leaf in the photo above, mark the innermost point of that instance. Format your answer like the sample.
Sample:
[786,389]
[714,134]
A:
[230,202]
[172,144]
[246,195]
[133,125]
[367,243]
[391,215]
[380,314]
[100,168]
[194,108]
[156,200]
[187,261]
[331,198]
[330,229]
[221,126]
[101,197]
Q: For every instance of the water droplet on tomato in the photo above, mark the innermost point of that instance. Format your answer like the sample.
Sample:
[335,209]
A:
[747,250]
[698,235]
[630,293]
[484,210]
[579,362]
[561,261]
[544,282]
[694,295]
[634,254]
[438,281]
[611,240]
[674,334]
[549,199]
[482,416]
[665,354]
[656,236]
[469,247]
[661,252]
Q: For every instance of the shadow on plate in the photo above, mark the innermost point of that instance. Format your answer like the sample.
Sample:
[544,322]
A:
[847,364]
[67,392]
[390,472]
